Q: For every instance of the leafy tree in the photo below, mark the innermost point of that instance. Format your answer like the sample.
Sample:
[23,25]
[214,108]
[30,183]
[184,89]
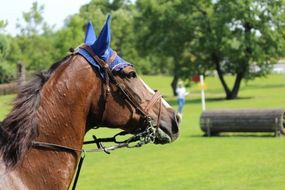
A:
[3,24]
[241,38]
[163,31]
[69,36]
[122,12]
[34,45]
[4,46]
[123,37]
[6,72]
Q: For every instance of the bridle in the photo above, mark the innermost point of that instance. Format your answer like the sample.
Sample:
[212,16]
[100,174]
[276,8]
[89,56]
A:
[148,135]
[110,79]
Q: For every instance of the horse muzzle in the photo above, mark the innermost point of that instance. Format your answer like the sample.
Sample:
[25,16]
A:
[168,132]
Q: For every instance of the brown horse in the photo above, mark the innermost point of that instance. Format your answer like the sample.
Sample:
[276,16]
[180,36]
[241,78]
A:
[60,105]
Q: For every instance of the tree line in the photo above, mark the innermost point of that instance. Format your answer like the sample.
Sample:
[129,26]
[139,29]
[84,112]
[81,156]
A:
[178,38]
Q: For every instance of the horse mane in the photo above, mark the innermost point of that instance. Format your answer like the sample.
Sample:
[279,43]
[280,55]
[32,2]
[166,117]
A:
[20,127]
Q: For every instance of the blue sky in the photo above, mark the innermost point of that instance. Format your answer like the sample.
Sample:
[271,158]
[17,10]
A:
[54,13]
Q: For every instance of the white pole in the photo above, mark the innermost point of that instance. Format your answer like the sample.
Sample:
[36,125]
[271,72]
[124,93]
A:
[202,93]
[284,76]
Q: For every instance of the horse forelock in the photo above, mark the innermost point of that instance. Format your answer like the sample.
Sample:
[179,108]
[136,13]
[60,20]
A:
[20,127]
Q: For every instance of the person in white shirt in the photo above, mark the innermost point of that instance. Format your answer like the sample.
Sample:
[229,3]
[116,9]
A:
[181,93]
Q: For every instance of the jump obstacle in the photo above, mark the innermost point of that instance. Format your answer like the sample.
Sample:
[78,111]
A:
[213,122]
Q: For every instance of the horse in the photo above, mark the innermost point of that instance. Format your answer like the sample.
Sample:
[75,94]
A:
[60,105]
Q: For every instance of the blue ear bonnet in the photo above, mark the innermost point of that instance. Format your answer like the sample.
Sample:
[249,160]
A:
[101,47]
[90,36]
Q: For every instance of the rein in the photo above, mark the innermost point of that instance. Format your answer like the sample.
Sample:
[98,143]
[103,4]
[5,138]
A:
[142,138]
[145,137]
[148,135]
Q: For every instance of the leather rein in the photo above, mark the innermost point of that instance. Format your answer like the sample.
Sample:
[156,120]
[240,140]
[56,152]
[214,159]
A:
[146,136]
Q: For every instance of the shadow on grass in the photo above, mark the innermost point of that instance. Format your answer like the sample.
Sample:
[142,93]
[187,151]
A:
[232,135]
[224,99]
[262,86]
[192,101]
[198,100]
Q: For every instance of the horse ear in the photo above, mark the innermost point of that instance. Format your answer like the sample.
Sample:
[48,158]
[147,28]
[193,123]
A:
[103,41]
[90,36]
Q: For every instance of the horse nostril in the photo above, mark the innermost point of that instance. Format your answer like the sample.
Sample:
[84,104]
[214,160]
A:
[178,118]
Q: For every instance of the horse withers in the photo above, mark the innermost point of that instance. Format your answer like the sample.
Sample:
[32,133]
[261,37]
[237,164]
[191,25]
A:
[91,87]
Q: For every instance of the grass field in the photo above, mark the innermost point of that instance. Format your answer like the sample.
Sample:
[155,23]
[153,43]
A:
[193,162]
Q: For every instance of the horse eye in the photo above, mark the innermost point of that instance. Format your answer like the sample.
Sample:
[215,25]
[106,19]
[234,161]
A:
[132,74]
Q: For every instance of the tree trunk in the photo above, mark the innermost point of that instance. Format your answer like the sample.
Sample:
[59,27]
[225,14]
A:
[222,80]
[233,94]
[230,94]
[174,84]
[220,74]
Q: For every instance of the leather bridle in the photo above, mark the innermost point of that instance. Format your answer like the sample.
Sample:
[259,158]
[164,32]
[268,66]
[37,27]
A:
[110,78]
[144,136]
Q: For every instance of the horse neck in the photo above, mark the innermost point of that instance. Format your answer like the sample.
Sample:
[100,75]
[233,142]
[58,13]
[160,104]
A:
[65,103]
[62,116]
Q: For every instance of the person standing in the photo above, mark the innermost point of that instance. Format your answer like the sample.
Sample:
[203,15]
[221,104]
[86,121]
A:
[181,93]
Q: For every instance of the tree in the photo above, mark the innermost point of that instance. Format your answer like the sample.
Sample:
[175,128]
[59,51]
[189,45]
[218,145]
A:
[241,38]
[6,73]
[34,45]
[162,30]
[3,24]
[33,20]
[4,46]
[122,12]
[69,36]
[96,11]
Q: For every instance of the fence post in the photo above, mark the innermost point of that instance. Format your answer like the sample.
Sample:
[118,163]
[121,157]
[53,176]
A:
[21,74]
[277,127]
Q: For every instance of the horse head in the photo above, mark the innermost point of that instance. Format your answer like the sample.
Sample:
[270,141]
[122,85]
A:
[44,132]
[129,103]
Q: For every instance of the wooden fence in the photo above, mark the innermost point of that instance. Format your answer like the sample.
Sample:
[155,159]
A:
[12,88]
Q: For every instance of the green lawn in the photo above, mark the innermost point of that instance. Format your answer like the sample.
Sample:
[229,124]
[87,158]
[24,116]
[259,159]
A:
[5,104]
[194,162]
